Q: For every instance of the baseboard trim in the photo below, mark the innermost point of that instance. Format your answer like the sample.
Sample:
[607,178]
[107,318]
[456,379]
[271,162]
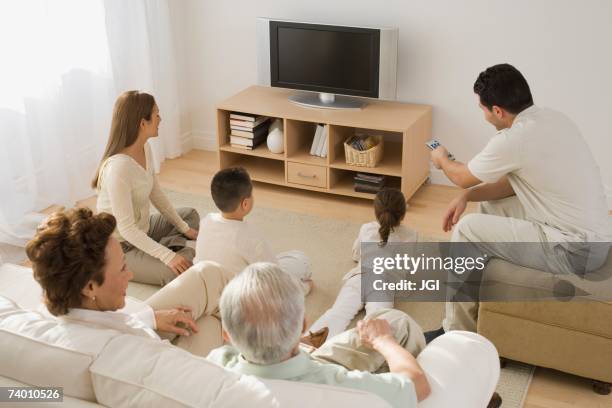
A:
[437,176]
[186,142]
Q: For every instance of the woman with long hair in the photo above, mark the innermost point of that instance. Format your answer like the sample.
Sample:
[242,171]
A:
[155,246]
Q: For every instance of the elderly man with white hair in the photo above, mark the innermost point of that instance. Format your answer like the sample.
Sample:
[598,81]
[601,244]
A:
[262,312]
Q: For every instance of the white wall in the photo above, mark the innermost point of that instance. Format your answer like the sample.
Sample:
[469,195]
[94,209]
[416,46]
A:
[561,46]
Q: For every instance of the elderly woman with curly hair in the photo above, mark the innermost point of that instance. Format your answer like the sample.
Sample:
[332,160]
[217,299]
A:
[82,271]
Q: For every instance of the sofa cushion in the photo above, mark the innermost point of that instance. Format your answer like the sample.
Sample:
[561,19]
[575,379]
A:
[171,377]
[67,402]
[580,316]
[506,280]
[38,349]
[584,313]
[17,283]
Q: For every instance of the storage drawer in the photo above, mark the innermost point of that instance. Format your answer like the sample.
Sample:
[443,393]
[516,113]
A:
[307,174]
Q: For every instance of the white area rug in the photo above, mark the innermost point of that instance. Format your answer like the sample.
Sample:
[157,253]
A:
[328,243]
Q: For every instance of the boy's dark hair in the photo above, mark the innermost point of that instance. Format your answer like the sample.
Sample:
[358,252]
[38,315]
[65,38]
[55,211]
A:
[504,86]
[68,251]
[390,208]
[229,187]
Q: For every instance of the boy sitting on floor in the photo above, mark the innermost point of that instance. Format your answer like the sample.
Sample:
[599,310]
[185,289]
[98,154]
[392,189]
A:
[226,238]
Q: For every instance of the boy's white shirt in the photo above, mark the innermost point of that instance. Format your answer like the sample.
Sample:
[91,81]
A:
[233,244]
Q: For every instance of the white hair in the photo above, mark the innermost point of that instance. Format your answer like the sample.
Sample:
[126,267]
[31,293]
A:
[262,309]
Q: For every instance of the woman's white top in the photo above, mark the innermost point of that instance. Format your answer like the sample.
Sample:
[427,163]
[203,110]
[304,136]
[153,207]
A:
[126,190]
[141,323]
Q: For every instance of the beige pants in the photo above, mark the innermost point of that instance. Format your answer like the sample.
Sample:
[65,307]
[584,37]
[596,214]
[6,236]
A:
[346,348]
[348,303]
[150,270]
[500,221]
[199,288]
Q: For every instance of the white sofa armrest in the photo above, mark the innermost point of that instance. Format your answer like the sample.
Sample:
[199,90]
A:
[462,369]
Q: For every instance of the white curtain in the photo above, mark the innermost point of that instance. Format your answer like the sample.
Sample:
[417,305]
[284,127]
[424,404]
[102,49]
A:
[143,57]
[63,64]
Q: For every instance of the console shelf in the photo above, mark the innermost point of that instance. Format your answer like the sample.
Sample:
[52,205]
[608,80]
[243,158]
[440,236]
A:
[405,129]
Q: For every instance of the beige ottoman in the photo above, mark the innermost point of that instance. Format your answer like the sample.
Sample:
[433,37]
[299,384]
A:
[574,336]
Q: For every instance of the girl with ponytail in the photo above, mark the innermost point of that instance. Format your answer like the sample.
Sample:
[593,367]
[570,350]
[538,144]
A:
[389,209]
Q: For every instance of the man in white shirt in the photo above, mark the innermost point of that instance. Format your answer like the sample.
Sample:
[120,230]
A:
[536,181]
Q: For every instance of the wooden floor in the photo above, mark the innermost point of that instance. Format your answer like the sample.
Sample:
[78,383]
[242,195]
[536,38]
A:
[194,171]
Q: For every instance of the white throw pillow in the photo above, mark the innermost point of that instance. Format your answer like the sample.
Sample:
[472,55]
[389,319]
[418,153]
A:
[18,284]
[136,371]
[43,351]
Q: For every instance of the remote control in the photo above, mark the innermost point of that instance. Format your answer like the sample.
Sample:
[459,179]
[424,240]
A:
[433,144]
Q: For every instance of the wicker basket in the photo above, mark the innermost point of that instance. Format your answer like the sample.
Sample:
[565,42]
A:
[364,158]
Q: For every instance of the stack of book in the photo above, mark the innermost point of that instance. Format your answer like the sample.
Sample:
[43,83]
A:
[368,183]
[247,131]
[319,142]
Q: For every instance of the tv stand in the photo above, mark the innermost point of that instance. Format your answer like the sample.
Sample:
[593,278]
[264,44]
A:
[326,100]
[404,127]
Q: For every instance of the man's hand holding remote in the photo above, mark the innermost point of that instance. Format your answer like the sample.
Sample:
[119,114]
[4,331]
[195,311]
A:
[439,155]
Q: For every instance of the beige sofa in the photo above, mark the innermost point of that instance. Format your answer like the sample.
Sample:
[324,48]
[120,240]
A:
[571,336]
[90,365]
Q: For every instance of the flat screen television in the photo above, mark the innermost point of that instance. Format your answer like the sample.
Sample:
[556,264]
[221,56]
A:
[329,60]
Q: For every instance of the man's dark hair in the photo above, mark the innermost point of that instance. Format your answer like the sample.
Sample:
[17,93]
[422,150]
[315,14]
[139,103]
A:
[68,251]
[229,187]
[504,86]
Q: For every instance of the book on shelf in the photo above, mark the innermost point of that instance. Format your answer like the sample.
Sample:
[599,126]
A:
[265,124]
[365,188]
[247,123]
[245,116]
[320,141]
[245,141]
[239,146]
[315,141]
[259,131]
[323,151]
[370,183]
[369,177]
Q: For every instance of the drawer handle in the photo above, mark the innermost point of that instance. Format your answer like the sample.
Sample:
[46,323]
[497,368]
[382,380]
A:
[306,175]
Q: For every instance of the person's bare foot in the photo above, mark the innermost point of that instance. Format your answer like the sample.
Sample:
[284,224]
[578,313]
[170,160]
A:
[315,339]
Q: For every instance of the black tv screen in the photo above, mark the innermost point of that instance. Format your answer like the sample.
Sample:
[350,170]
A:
[322,58]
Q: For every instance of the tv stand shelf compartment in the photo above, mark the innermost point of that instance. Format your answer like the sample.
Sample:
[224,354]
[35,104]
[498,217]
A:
[405,129]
